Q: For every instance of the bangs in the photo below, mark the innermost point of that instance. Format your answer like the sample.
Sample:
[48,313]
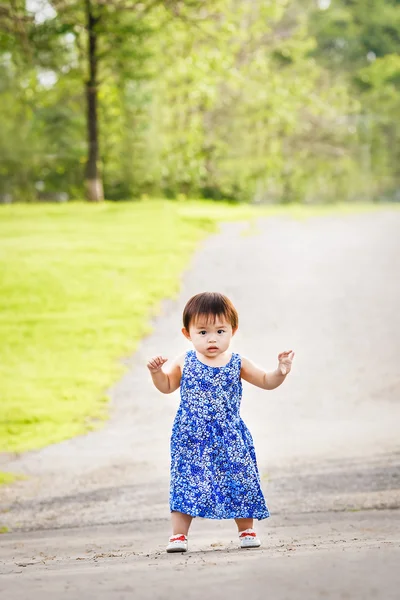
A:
[210,306]
[207,319]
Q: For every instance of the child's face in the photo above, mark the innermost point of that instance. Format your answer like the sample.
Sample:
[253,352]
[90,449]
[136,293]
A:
[209,337]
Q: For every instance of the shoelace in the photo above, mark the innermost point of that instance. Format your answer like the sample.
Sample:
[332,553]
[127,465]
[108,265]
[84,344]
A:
[248,534]
[180,538]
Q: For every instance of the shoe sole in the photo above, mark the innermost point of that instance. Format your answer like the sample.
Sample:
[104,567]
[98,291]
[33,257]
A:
[171,550]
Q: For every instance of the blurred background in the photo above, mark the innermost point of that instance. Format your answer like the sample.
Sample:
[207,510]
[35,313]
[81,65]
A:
[180,114]
[265,101]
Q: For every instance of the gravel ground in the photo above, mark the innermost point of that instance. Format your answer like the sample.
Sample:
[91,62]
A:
[327,441]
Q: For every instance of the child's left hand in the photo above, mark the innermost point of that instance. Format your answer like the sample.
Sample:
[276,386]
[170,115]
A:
[285,362]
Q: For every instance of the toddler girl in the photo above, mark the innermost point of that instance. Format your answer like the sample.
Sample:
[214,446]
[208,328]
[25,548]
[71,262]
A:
[214,470]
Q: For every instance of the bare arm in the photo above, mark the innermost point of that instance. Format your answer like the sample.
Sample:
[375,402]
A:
[166,381]
[267,381]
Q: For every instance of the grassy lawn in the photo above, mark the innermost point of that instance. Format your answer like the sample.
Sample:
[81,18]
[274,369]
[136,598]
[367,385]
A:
[78,286]
[6,477]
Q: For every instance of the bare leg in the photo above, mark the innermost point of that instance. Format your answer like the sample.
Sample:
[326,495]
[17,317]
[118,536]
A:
[180,522]
[243,524]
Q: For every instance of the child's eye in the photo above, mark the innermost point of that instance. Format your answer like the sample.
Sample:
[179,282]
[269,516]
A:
[221,330]
[203,332]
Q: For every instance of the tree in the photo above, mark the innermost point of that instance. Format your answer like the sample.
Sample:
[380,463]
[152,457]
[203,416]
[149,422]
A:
[360,41]
[101,22]
[254,101]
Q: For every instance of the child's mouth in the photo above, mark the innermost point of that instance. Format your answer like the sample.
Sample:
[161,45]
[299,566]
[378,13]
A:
[212,349]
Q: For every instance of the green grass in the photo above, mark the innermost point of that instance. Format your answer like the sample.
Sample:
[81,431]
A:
[79,284]
[9,477]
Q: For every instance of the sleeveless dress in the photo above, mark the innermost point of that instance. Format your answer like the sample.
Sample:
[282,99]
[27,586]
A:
[214,470]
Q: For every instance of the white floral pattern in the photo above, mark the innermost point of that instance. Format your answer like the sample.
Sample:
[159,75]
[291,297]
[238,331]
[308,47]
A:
[214,470]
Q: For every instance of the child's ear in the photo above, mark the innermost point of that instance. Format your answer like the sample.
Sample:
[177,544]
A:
[186,333]
[234,330]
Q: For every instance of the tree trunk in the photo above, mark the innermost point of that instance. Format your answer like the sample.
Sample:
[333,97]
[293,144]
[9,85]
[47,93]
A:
[93,180]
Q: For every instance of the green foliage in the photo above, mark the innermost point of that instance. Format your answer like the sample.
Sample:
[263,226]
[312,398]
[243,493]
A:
[239,118]
[256,101]
[361,41]
[351,29]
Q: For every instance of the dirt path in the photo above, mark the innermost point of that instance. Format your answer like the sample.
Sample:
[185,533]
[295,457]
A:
[328,441]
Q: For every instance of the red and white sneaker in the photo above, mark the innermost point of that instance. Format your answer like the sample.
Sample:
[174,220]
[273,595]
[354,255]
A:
[177,543]
[248,539]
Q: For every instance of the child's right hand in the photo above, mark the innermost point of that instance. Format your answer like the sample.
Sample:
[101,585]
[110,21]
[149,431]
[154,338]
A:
[155,364]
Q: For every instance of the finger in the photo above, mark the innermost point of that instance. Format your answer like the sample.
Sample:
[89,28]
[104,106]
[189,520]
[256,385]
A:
[160,360]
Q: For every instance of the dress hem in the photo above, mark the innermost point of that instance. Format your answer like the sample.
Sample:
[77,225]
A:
[205,515]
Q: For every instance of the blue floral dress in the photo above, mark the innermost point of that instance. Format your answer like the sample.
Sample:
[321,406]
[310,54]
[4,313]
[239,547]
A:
[214,470]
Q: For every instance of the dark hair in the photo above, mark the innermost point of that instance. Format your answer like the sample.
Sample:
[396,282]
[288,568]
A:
[210,304]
